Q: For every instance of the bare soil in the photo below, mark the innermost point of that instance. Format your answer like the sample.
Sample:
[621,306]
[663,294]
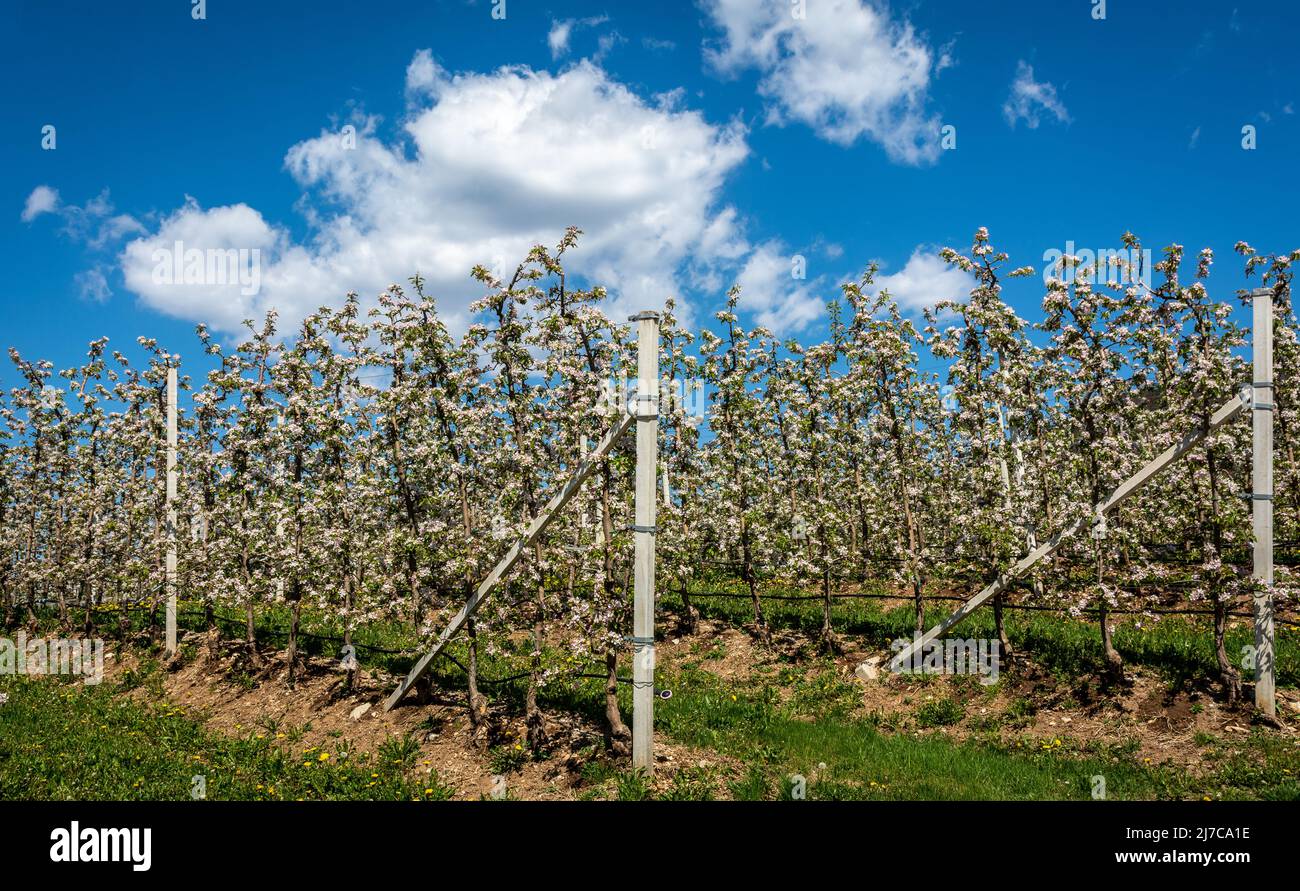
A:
[1030,707]
[321,712]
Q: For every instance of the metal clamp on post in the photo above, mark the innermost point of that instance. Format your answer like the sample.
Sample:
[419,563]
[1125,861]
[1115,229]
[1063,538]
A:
[650,529]
[635,412]
[639,642]
[1256,496]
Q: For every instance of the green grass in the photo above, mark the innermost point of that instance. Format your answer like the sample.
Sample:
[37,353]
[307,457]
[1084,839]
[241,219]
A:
[1180,647]
[68,741]
[60,741]
[850,758]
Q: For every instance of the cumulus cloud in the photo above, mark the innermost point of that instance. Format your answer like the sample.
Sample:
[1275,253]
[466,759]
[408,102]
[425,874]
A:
[779,298]
[924,280]
[43,199]
[1030,99]
[488,164]
[845,68]
[286,272]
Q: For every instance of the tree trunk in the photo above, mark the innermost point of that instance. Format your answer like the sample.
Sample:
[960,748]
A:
[349,600]
[532,711]
[1000,624]
[88,627]
[618,739]
[1227,672]
[478,713]
[250,636]
[826,639]
[919,600]
[295,612]
[1114,662]
[747,574]
[692,614]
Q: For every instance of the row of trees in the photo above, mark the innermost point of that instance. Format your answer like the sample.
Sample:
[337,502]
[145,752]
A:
[374,465]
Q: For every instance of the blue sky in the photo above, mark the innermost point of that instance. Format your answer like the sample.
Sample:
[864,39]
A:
[697,144]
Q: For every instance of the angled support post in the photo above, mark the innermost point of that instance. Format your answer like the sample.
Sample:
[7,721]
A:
[1261,484]
[1226,413]
[516,552]
[643,604]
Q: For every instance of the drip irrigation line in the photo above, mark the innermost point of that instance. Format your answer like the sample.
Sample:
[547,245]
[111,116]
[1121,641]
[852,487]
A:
[266,630]
[284,632]
[518,677]
[953,598]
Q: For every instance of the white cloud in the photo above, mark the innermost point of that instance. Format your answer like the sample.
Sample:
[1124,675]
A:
[924,281]
[489,165]
[422,72]
[1195,138]
[558,37]
[92,284]
[43,199]
[222,305]
[93,224]
[1030,98]
[846,69]
[562,30]
[115,228]
[769,289]
[606,43]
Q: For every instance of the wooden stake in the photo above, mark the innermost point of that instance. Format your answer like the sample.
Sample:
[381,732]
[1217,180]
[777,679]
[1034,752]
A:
[643,603]
[1261,484]
[171,511]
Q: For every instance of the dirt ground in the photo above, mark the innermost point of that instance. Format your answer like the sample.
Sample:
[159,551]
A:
[1030,707]
[1164,724]
[327,716]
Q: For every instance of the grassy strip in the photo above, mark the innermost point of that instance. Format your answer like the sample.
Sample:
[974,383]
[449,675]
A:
[1180,647]
[62,740]
[813,735]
